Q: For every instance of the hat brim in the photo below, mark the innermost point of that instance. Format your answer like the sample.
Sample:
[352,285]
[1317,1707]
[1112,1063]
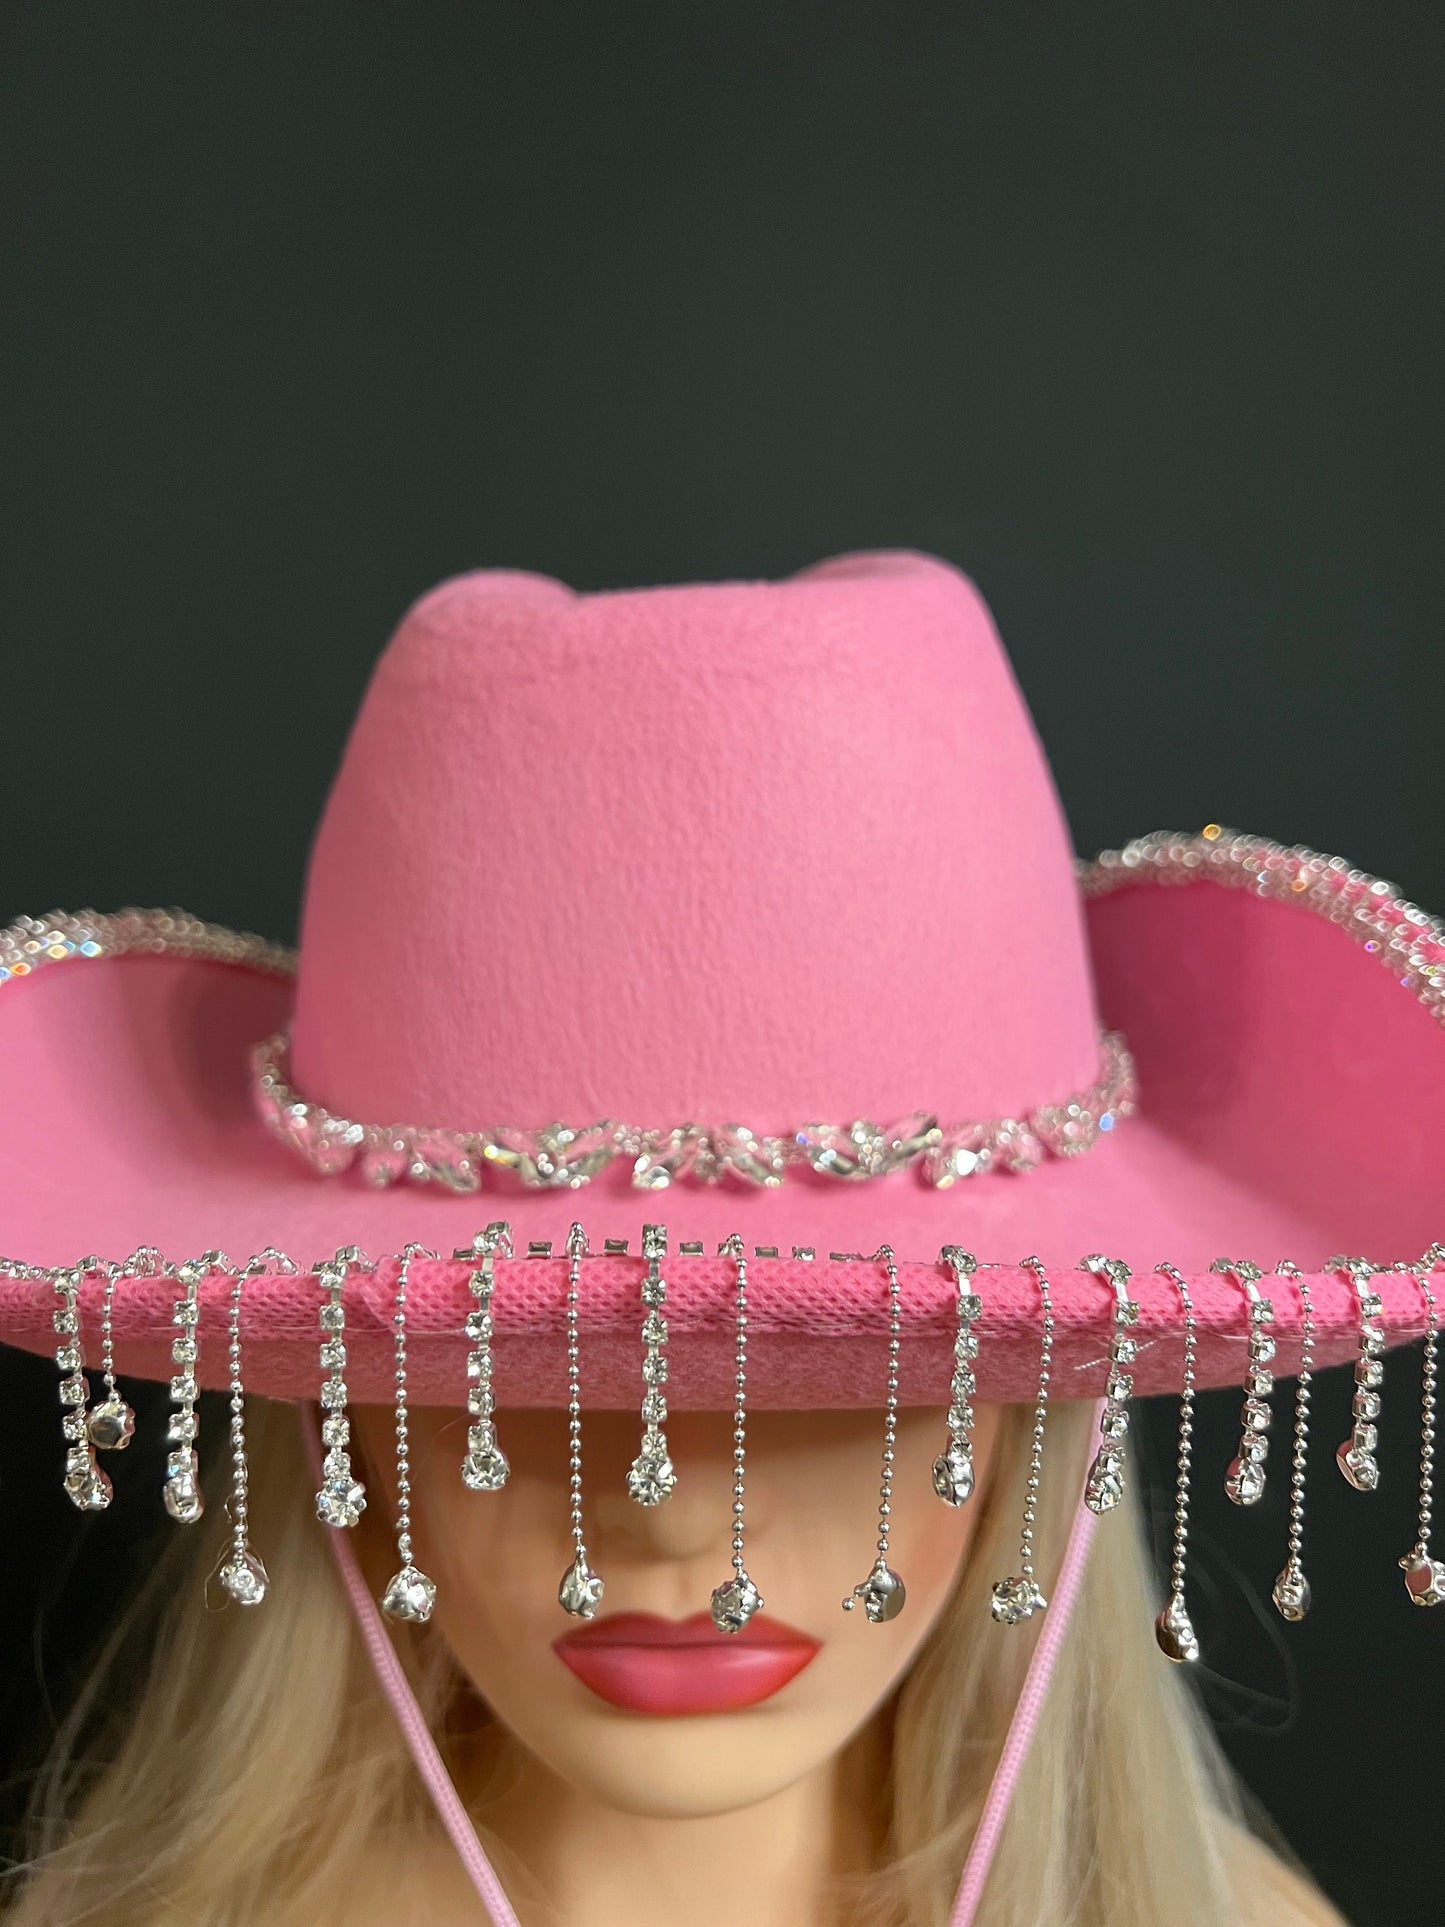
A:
[1291,1091]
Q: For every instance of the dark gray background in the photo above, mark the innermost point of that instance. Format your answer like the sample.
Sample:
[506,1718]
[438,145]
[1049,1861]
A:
[1132,311]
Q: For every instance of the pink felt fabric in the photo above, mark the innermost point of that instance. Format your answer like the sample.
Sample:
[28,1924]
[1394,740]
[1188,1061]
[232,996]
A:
[759,850]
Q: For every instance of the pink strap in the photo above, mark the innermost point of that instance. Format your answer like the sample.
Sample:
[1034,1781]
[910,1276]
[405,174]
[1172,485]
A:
[410,1718]
[455,1819]
[1025,1716]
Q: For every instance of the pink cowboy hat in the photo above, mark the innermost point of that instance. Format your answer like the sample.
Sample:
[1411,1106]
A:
[709,874]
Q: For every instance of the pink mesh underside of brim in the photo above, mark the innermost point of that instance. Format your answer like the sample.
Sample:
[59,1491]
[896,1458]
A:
[817,1325]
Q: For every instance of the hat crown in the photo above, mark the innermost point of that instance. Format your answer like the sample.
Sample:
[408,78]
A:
[759,853]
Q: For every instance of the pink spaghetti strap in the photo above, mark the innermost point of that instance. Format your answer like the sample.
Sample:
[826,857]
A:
[1025,1718]
[412,1720]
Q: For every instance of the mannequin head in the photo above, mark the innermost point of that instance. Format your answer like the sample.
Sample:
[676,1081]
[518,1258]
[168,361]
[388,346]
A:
[257,1776]
[812,1500]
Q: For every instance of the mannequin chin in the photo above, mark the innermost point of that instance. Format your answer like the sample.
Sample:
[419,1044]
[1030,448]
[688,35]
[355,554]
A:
[811,1523]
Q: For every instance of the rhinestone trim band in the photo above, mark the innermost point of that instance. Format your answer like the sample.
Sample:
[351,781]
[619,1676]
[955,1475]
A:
[565,1157]
[1405,939]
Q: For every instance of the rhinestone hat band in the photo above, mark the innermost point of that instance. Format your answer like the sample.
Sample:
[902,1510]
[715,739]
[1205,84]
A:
[565,1157]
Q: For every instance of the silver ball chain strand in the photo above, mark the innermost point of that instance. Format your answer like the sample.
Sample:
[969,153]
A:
[1173,1629]
[883,1592]
[580,1592]
[1291,1592]
[1425,1574]
[1019,1597]
[735,1601]
[410,1595]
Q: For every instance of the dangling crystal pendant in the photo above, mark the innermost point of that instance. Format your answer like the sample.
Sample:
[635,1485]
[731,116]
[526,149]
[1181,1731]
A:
[182,1489]
[410,1596]
[89,1488]
[734,1603]
[580,1592]
[485,1467]
[111,1425]
[1244,1481]
[1291,1594]
[1360,1466]
[953,1476]
[1175,1633]
[883,1594]
[1104,1488]
[651,1477]
[1424,1578]
[1015,1600]
[245,1579]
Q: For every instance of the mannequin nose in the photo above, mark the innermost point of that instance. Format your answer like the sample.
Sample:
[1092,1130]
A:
[694,1519]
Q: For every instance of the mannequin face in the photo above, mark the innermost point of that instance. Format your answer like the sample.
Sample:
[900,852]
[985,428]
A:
[811,1522]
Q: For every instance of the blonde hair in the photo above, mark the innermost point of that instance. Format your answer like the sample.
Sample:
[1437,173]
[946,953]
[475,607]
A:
[259,1773]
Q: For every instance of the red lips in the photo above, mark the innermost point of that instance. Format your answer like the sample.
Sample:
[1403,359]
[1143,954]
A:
[672,1667]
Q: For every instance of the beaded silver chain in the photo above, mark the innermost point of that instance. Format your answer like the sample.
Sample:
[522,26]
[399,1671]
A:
[1173,1629]
[580,1592]
[1291,1593]
[410,1595]
[111,1424]
[1424,1573]
[735,1601]
[883,1593]
[1019,1597]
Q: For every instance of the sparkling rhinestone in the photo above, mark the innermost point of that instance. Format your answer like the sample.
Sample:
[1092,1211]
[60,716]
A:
[1370,1372]
[245,1579]
[1424,1578]
[479,1326]
[651,1477]
[654,1292]
[111,1426]
[480,1401]
[654,1329]
[341,1500]
[1372,1341]
[184,1389]
[182,1427]
[580,1592]
[1371,1304]
[1015,1600]
[1366,1405]
[654,1368]
[336,1433]
[333,1355]
[184,1351]
[1262,1313]
[479,1368]
[72,1424]
[1126,1350]
[733,1604]
[182,1488]
[65,1322]
[333,1394]
[88,1487]
[1257,1416]
[1292,1594]
[965,1347]
[654,1406]
[74,1390]
[1262,1350]
[1261,1383]
[1358,1467]
[485,1469]
[187,1313]
[1174,1630]
[1366,1437]
[1120,1386]
[1244,1482]
[333,1318]
[67,1357]
[410,1596]
[1104,1487]
[1254,1448]
[953,1475]
[1115,1422]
